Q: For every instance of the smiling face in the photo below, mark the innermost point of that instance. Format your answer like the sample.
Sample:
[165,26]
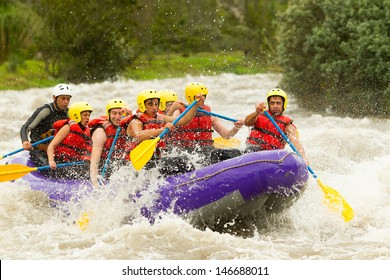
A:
[275,104]
[116,115]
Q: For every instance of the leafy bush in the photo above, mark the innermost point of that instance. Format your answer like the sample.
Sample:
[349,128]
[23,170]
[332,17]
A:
[18,25]
[86,41]
[336,55]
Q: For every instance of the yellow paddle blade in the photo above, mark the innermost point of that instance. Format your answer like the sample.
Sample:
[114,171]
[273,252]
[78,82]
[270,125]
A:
[143,153]
[10,172]
[83,221]
[222,143]
[336,202]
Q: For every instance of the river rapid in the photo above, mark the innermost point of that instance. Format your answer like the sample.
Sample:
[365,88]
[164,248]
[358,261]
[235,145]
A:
[352,155]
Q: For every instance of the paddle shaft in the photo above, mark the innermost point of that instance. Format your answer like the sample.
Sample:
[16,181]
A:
[10,172]
[118,130]
[27,169]
[40,168]
[216,115]
[34,144]
[331,195]
[288,141]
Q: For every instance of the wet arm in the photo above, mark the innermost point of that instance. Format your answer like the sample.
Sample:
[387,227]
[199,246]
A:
[291,133]
[99,137]
[31,123]
[60,136]
[223,131]
[186,119]
[175,108]
[135,130]
[250,120]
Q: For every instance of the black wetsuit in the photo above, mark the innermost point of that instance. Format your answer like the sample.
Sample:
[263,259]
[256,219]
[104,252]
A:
[39,123]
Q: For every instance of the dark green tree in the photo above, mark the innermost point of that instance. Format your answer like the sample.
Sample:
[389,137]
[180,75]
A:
[18,26]
[186,26]
[259,20]
[336,55]
[87,41]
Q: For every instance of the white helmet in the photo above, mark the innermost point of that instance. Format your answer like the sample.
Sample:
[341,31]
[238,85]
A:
[62,89]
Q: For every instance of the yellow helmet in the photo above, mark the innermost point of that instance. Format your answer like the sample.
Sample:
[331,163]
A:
[193,89]
[114,103]
[145,95]
[166,95]
[278,92]
[76,109]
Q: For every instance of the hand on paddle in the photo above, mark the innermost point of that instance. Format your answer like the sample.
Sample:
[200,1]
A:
[27,145]
[174,107]
[261,107]
[169,126]
[237,126]
[52,164]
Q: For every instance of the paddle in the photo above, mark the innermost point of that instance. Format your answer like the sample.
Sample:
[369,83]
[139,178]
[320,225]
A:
[118,130]
[216,115]
[332,198]
[21,149]
[84,219]
[222,143]
[145,150]
[10,172]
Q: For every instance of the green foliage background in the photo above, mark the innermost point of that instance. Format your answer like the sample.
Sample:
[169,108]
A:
[335,54]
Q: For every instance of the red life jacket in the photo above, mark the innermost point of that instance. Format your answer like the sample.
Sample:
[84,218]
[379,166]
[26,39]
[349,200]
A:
[148,122]
[76,146]
[120,150]
[124,123]
[198,132]
[265,135]
[129,145]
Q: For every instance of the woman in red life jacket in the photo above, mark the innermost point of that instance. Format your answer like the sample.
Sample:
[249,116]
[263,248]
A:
[149,123]
[72,142]
[197,136]
[264,135]
[103,131]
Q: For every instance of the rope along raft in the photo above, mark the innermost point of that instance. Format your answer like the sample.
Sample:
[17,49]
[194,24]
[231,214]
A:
[209,176]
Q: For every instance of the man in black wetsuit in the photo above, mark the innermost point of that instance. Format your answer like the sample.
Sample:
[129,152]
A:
[40,123]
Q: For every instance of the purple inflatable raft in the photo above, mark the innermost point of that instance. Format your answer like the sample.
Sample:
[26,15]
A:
[261,181]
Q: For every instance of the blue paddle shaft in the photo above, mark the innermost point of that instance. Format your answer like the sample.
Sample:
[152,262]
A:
[288,141]
[111,150]
[34,144]
[60,165]
[216,115]
[178,118]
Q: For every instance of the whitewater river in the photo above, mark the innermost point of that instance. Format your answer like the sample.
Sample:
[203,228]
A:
[350,155]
